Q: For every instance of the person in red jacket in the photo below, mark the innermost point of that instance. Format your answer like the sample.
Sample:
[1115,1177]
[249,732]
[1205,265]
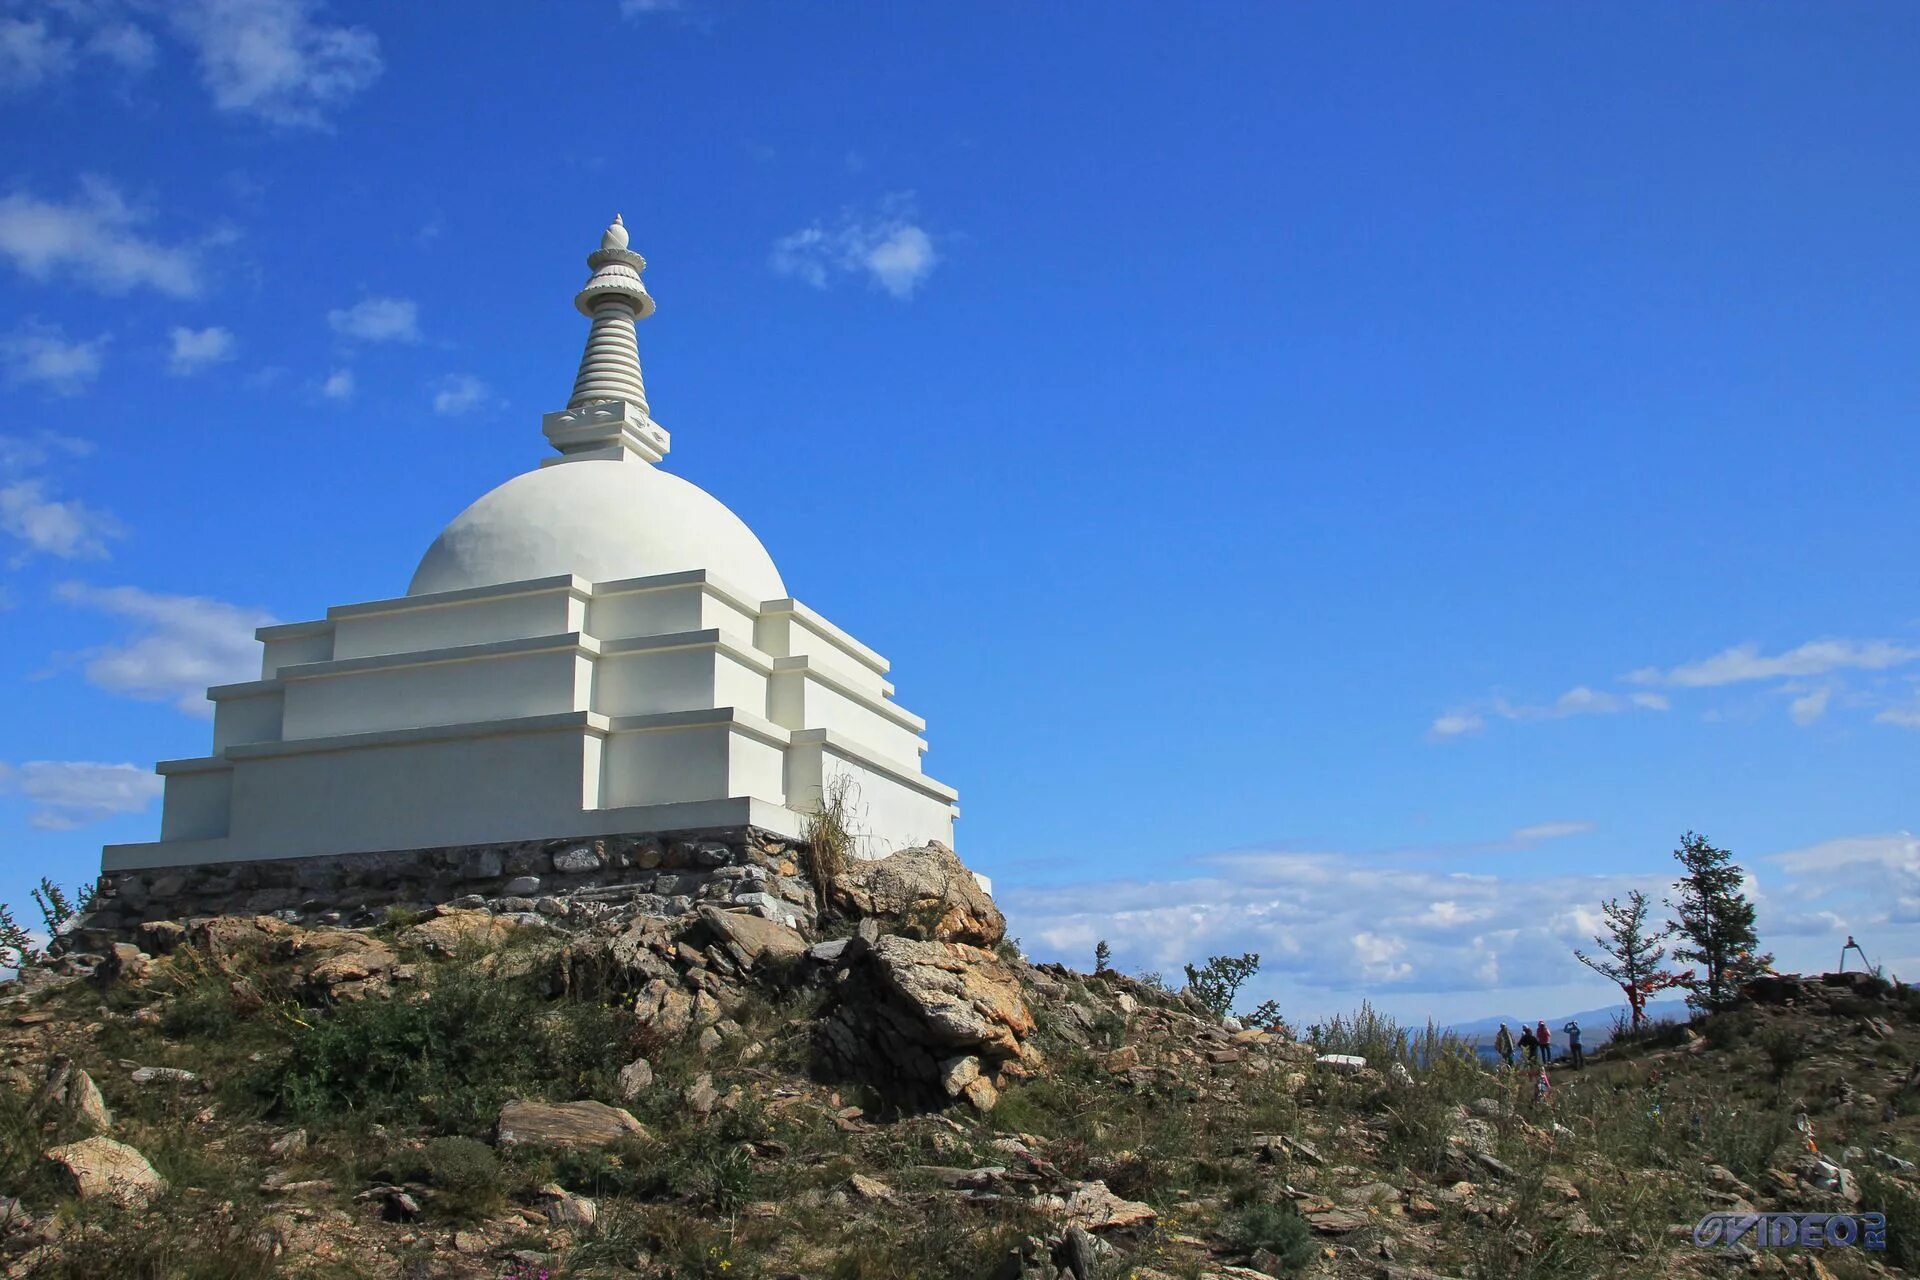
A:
[1545,1037]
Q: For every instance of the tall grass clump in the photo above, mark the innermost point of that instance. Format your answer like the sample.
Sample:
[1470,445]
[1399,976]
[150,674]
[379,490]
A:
[449,1058]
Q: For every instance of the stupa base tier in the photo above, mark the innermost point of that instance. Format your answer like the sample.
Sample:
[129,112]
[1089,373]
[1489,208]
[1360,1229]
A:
[654,872]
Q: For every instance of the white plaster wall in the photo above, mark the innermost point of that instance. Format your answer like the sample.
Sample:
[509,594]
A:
[887,813]
[412,695]
[287,650]
[415,626]
[738,685]
[646,681]
[656,766]
[787,635]
[663,611]
[411,795]
[196,805]
[798,699]
[757,768]
[253,718]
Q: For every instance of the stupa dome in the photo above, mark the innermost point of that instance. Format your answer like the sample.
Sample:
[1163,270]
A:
[602,520]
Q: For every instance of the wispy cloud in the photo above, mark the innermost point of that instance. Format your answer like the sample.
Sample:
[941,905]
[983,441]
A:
[34,516]
[1332,927]
[42,355]
[125,45]
[42,523]
[176,646]
[378,320]
[1906,716]
[95,239]
[1577,701]
[639,8]
[1744,662]
[887,246]
[71,793]
[195,349]
[275,59]
[460,393]
[339,385]
[31,54]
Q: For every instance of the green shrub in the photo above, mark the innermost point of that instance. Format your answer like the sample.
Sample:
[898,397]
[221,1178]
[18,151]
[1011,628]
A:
[1883,1194]
[1280,1229]
[449,1058]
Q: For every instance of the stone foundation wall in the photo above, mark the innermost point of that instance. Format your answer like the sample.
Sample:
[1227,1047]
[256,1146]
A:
[664,874]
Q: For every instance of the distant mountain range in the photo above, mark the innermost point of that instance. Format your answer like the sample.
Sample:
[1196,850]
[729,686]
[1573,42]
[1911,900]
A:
[1596,1025]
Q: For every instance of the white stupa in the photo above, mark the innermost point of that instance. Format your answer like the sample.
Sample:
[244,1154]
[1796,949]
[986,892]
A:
[596,647]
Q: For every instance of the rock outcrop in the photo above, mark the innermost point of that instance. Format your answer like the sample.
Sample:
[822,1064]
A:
[102,1169]
[575,1125]
[924,892]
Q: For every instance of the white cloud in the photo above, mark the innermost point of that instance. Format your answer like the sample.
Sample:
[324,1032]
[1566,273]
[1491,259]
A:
[44,523]
[272,59]
[41,355]
[635,8]
[1809,707]
[195,349]
[177,647]
[460,393]
[887,246]
[31,512]
[378,320]
[1331,928]
[71,793]
[31,54]
[94,239]
[1907,717]
[126,46]
[21,453]
[1745,662]
[1577,701]
[339,385]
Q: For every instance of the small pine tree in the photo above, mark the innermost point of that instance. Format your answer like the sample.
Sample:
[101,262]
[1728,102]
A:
[56,908]
[1629,953]
[1102,956]
[1715,923]
[1216,983]
[16,947]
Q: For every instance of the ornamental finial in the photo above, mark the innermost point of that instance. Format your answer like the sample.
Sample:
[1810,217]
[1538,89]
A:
[616,236]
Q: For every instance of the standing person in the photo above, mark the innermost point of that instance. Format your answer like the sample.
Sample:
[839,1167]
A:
[1530,1045]
[1545,1037]
[1503,1044]
[1578,1059]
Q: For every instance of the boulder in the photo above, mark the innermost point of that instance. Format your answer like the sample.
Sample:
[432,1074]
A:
[1091,1206]
[353,968]
[926,892]
[565,1209]
[454,931]
[635,1079]
[573,1125]
[224,937]
[102,1169]
[664,1009]
[963,996]
[750,939]
[71,1091]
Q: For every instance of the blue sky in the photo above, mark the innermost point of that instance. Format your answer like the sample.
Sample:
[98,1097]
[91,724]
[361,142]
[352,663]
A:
[1347,488]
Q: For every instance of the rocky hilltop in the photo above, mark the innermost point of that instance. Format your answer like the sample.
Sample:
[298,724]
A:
[847,1071]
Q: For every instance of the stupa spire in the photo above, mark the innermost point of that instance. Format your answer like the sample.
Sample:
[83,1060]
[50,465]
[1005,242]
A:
[615,298]
[607,418]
